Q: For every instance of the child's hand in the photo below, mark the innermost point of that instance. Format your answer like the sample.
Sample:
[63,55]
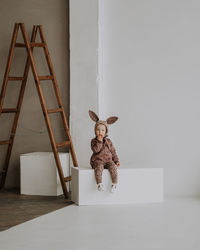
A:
[118,164]
[100,137]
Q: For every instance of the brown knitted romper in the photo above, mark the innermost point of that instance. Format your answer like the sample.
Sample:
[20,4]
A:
[104,156]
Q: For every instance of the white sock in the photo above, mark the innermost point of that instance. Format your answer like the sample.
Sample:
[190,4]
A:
[113,187]
[100,187]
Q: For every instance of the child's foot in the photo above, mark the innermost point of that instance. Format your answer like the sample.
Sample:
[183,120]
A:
[113,188]
[100,187]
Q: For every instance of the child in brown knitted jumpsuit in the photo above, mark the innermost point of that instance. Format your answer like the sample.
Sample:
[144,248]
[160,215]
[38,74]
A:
[104,154]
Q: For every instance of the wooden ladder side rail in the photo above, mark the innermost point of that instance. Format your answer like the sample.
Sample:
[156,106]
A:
[20,99]
[45,111]
[58,97]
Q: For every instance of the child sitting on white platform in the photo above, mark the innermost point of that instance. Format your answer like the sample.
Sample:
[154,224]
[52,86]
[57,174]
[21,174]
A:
[104,154]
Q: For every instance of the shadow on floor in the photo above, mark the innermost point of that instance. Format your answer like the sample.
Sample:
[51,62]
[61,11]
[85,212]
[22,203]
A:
[16,208]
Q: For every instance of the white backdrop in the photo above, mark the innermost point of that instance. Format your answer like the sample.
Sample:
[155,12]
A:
[151,79]
[83,74]
[149,71]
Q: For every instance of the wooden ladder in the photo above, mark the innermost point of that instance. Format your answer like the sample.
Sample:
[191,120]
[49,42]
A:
[30,63]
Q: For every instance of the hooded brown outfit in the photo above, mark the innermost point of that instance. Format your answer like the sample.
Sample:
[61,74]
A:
[104,154]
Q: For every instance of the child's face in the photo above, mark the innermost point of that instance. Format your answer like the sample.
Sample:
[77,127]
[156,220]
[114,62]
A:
[100,130]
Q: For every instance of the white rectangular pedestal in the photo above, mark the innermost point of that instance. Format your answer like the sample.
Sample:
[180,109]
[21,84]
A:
[135,185]
[39,175]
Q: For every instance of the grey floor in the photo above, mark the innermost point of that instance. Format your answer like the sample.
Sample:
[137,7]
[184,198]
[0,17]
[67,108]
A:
[171,225]
[16,208]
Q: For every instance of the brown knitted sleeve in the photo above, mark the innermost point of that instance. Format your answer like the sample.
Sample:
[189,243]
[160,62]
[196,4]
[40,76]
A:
[113,151]
[96,145]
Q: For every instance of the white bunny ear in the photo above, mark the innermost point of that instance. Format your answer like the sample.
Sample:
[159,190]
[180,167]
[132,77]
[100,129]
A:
[93,116]
[112,119]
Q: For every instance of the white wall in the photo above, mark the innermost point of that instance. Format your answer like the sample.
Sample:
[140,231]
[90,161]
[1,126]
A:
[83,74]
[151,80]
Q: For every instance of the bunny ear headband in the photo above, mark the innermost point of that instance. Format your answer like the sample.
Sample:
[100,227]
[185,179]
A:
[108,121]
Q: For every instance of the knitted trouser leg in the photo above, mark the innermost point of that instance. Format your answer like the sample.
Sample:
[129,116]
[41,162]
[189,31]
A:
[112,168]
[98,170]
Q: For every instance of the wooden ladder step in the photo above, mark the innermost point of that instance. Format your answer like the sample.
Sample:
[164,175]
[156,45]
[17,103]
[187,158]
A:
[10,110]
[43,78]
[54,110]
[63,144]
[23,45]
[20,45]
[37,44]
[69,178]
[15,78]
[5,142]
